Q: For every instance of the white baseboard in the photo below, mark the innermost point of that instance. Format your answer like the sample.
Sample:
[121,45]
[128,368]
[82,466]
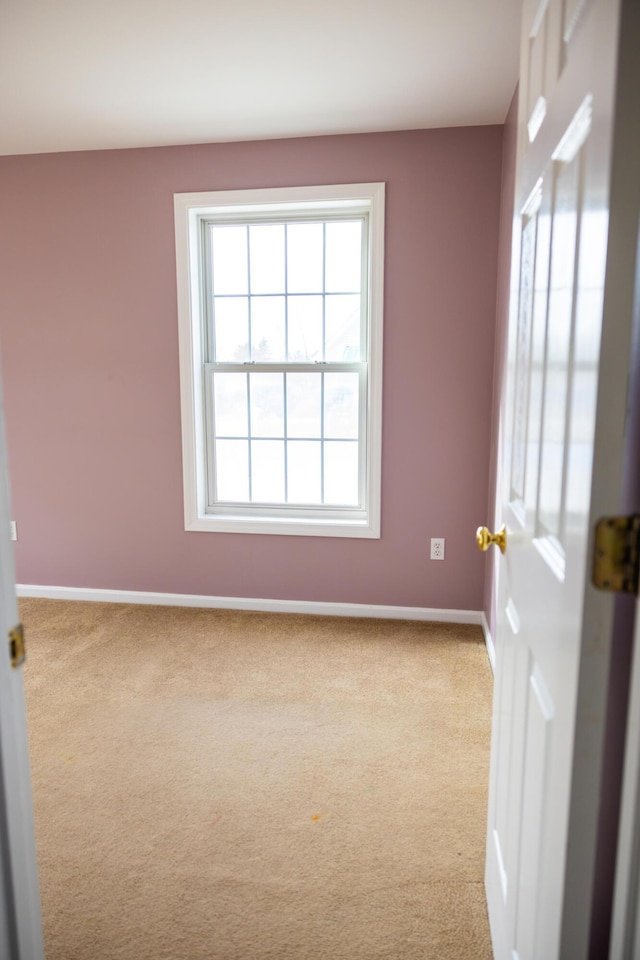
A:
[435,614]
[488,639]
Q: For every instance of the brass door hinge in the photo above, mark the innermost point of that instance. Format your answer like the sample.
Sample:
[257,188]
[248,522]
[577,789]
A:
[616,554]
[16,646]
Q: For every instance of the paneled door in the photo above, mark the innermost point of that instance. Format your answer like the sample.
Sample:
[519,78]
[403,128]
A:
[562,428]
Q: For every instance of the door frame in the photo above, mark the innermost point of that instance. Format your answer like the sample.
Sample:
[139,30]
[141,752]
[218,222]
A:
[625,927]
[21,935]
[625,932]
[603,633]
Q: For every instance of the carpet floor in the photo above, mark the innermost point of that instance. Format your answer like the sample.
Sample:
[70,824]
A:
[224,785]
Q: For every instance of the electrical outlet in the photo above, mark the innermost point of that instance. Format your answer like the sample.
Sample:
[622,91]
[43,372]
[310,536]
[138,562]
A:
[437,548]
[13,528]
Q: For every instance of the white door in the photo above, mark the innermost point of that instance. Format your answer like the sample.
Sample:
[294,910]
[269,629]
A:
[20,925]
[562,433]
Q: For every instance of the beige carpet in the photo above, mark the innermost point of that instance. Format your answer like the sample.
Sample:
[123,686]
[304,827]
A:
[215,785]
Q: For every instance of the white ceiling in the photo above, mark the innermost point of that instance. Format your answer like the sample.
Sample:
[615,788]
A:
[98,74]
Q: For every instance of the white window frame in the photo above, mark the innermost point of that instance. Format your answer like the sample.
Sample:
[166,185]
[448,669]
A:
[191,209]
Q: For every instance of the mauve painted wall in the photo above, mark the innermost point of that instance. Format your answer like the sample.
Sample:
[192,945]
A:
[88,332]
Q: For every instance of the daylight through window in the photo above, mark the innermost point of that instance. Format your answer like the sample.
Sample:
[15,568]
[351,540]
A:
[280,359]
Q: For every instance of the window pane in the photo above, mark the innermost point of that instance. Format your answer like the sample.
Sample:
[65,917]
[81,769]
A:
[343,269]
[232,470]
[341,472]
[304,257]
[304,471]
[267,328]
[230,397]
[342,328]
[266,244]
[229,246]
[267,471]
[267,404]
[231,326]
[341,405]
[305,329]
[303,404]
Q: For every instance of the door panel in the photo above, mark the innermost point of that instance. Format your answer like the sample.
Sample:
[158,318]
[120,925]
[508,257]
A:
[536,100]
[538,738]
[573,11]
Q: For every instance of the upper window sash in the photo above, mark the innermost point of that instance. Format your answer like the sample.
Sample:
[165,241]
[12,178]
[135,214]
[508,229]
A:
[207,295]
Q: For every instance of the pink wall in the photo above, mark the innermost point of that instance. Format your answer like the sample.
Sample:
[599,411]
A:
[502,317]
[90,365]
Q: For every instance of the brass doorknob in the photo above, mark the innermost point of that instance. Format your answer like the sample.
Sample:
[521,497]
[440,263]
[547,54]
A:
[484,538]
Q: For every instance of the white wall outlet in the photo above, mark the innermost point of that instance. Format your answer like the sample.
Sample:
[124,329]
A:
[13,528]
[437,548]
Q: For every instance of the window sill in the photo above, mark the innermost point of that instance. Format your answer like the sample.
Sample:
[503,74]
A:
[283,527]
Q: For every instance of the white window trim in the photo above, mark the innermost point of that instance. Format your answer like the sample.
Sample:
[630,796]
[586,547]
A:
[189,207]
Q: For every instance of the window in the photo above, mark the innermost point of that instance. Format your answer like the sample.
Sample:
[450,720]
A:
[280,316]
